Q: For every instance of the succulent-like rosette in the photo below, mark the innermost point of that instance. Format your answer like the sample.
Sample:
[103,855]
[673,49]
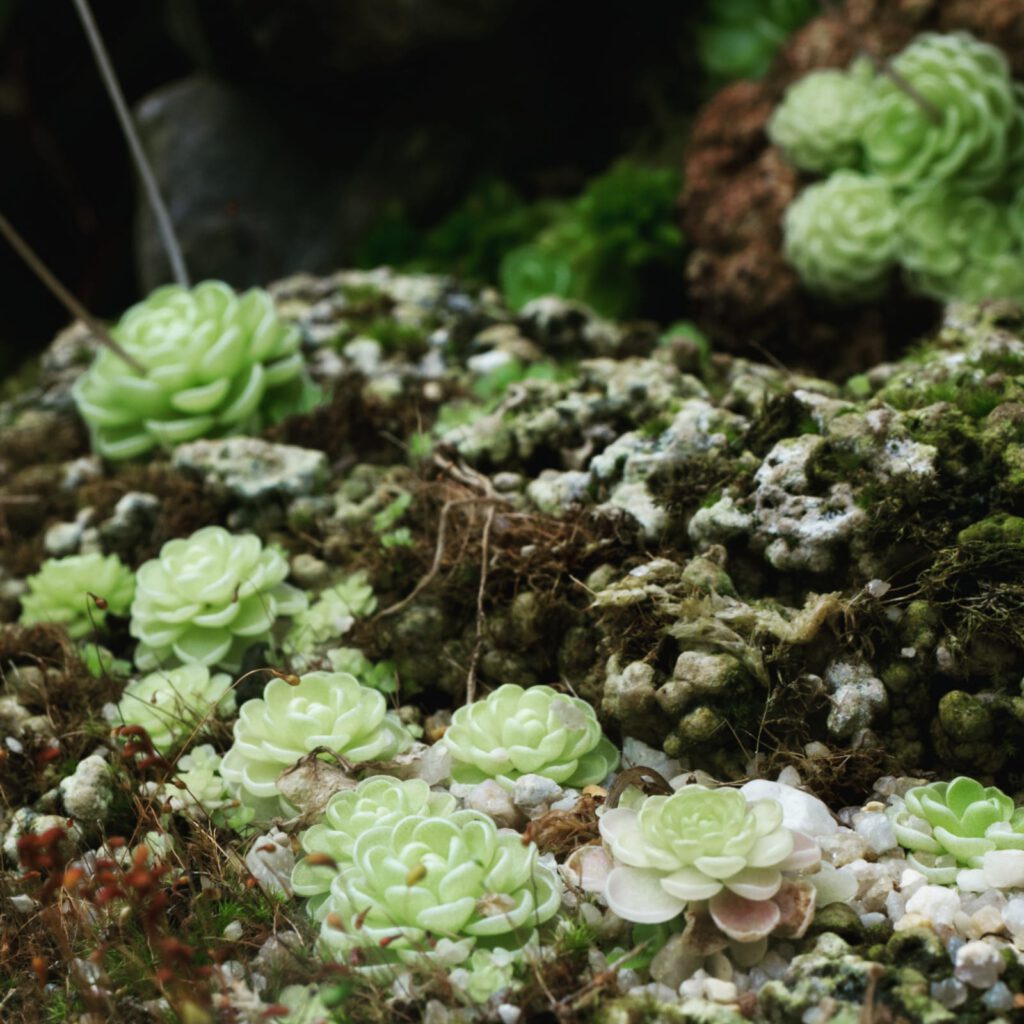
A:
[201,785]
[948,118]
[332,614]
[171,704]
[377,802]
[207,597]
[819,121]
[328,710]
[956,246]
[65,592]
[702,844]
[433,887]
[951,825]
[515,732]
[216,363]
[840,236]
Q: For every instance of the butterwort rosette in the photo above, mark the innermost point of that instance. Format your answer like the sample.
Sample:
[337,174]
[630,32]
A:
[78,592]
[329,710]
[205,598]
[841,236]
[216,363]
[703,844]
[436,887]
[516,731]
[947,826]
[376,802]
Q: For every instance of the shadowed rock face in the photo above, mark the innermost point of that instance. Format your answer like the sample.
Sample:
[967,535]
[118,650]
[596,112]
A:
[737,187]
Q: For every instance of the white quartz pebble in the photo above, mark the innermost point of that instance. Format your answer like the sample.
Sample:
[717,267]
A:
[978,964]
[1004,869]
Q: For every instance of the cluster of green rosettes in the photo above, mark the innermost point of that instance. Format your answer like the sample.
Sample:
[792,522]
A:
[397,872]
[216,363]
[926,171]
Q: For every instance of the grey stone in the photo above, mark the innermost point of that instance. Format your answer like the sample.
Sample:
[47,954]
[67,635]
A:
[88,791]
[253,470]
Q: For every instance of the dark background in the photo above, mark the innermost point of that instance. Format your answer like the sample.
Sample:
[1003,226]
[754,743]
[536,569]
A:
[282,131]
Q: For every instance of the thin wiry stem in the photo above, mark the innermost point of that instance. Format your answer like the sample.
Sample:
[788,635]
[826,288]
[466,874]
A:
[70,303]
[156,202]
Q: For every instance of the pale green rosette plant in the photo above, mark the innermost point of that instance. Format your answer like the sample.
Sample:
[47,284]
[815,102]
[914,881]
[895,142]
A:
[702,844]
[515,732]
[332,614]
[819,121]
[435,887]
[377,802]
[204,599]
[198,771]
[62,592]
[217,363]
[949,118]
[328,710]
[171,704]
[956,246]
[947,826]
[840,236]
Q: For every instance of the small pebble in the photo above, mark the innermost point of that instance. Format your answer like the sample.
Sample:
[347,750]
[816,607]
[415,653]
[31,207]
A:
[950,992]
[877,831]
[233,931]
[535,793]
[998,998]
[1004,869]
[270,861]
[489,798]
[978,964]
[719,991]
[842,847]
[1013,917]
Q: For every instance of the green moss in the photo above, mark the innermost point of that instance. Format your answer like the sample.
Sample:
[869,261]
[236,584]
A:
[395,336]
[1000,530]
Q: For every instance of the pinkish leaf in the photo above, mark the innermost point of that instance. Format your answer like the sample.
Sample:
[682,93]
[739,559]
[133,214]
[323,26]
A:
[742,919]
[806,854]
[795,901]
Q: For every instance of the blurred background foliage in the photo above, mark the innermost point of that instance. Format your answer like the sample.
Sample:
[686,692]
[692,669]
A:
[530,145]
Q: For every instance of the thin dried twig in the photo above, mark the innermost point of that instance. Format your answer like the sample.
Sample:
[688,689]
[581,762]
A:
[156,201]
[66,299]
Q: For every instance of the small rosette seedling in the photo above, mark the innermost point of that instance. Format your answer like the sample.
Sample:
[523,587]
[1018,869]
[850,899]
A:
[819,121]
[328,710]
[172,704]
[216,363]
[948,115]
[204,599]
[377,802]
[703,844]
[840,236]
[947,826]
[78,592]
[433,887]
[515,732]
[332,614]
